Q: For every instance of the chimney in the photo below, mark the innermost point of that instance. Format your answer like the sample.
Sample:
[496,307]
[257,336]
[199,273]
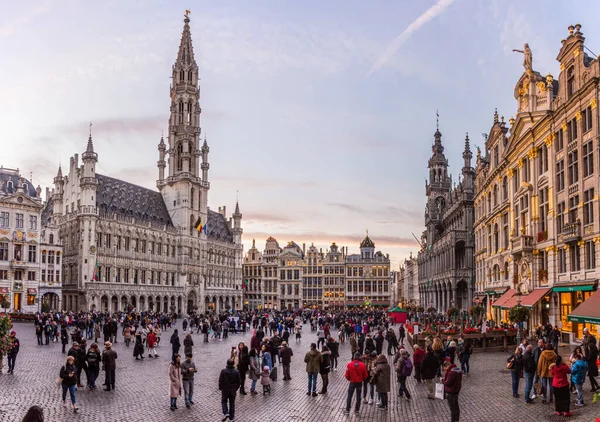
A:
[224,211]
[304,248]
[47,193]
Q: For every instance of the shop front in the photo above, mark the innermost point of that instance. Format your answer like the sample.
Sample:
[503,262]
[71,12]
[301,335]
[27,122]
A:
[498,312]
[570,296]
[588,314]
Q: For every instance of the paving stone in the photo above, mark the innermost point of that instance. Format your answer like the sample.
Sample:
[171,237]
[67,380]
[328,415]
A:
[142,390]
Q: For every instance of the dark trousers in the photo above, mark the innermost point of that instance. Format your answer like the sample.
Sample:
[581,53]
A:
[354,386]
[384,399]
[228,403]
[92,375]
[325,380]
[11,362]
[402,390]
[515,382]
[593,382]
[64,347]
[243,381]
[562,401]
[453,404]
[334,362]
[79,370]
[417,372]
[286,371]
[109,379]
[39,339]
[464,364]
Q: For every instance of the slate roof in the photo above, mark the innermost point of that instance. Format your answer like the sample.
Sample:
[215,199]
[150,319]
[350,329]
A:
[9,189]
[47,212]
[116,196]
[217,227]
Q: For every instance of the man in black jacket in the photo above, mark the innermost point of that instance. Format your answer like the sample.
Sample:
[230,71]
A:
[529,370]
[229,383]
[429,368]
[286,354]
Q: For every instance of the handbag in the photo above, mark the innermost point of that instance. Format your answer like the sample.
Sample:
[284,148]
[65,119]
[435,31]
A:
[510,364]
[373,379]
[439,391]
[58,382]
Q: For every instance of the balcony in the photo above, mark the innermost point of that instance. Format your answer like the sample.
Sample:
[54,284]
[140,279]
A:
[572,232]
[18,264]
[523,243]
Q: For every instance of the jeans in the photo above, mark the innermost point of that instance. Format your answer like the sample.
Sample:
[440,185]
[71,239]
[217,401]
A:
[11,362]
[453,404]
[188,390]
[366,391]
[173,401]
[402,390]
[71,391]
[528,385]
[515,382]
[464,365]
[286,371]
[228,398]
[417,372]
[93,376]
[430,388]
[545,383]
[384,399]
[109,379]
[312,382]
[253,385]
[579,388]
[354,386]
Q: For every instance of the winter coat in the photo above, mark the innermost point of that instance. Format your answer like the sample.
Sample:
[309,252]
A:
[517,361]
[453,380]
[546,358]
[229,379]
[325,366]
[254,372]
[243,360]
[286,354]
[175,343]
[265,377]
[383,372]
[109,358]
[529,365]
[174,380]
[188,343]
[267,361]
[334,346]
[579,371]
[255,343]
[591,360]
[313,361]
[429,366]
[559,374]
[64,374]
[418,356]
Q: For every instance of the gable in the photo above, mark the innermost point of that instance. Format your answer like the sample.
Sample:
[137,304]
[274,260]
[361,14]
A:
[21,200]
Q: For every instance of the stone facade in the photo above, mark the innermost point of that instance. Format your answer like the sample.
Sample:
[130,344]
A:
[50,290]
[294,277]
[20,222]
[445,262]
[537,216]
[128,247]
[409,273]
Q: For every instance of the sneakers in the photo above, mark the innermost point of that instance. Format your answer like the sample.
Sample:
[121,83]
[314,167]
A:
[225,417]
[370,401]
[346,411]
[365,401]
[533,396]
[567,414]
[578,403]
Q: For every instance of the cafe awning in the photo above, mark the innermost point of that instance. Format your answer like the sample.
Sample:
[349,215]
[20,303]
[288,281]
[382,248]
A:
[578,286]
[32,291]
[496,291]
[3,290]
[588,311]
[527,300]
[504,298]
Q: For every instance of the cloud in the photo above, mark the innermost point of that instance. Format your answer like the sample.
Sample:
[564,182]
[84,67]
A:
[389,214]
[266,183]
[264,217]
[431,13]
[9,28]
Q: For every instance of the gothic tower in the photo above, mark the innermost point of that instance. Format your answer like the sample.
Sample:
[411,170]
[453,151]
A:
[437,187]
[183,188]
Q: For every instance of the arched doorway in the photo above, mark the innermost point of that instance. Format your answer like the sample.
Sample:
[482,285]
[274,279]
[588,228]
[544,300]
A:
[104,303]
[142,303]
[124,303]
[462,295]
[165,304]
[179,304]
[220,308]
[191,301]
[150,303]
[115,303]
[51,300]
[172,307]
[158,303]
[133,303]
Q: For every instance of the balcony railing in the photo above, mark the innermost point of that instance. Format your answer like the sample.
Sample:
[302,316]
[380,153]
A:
[522,243]
[572,232]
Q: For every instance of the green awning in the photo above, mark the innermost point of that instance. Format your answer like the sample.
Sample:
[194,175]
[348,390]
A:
[580,288]
[397,309]
[589,320]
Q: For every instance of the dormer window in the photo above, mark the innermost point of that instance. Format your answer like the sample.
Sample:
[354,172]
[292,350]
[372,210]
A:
[570,82]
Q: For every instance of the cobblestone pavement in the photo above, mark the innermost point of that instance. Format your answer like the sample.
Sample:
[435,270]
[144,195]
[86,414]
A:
[142,390]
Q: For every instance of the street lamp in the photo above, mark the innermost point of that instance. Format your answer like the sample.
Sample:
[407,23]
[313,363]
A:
[518,322]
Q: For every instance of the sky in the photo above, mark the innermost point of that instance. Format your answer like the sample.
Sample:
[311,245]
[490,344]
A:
[321,114]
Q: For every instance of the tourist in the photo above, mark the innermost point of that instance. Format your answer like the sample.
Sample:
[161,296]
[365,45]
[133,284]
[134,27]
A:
[93,359]
[229,383]
[313,364]
[529,370]
[429,368]
[266,358]
[418,355]
[547,358]
[64,337]
[382,376]
[286,354]
[325,368]
[34,414]
[175,344]
[151,342]
[109,361]
[438,351]
[452,384]
[334,347]
[515,364]
[175,380]
[68,375]
[254,373]
[243,366]
[579,370]
[404,369]
[188,344]
[188,369]
[369,361]
[356,373]
[13,352]
[592,358]
[560,383]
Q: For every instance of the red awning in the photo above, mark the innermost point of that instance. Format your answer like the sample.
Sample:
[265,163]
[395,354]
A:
[534,297]
[32,291]
[504,298]
[3,290]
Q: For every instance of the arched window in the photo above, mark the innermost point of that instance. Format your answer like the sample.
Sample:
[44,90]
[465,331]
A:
[495,195]
[180,112]
[190,76]
[505,189]
[51,239]
[506,270]
[189,113]
[181,75]
[496,237]
[179,159]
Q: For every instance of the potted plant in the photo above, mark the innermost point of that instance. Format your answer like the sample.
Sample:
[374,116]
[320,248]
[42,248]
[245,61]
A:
[420,309]
[5,303]
[431,310]
[518,314]
[6,340]
[453,313]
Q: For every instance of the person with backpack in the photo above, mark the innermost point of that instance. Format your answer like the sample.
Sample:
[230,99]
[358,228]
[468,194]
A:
[404,368]
[93,359]
[356,373]
[452,384]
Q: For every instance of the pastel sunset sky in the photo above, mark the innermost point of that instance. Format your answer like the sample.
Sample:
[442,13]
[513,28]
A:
[321,114]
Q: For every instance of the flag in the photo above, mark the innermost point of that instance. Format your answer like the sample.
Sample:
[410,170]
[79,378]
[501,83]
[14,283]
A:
[204,229]
[198,224]
[96,276]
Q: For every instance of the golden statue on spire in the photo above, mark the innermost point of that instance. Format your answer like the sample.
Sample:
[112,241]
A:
[187,13]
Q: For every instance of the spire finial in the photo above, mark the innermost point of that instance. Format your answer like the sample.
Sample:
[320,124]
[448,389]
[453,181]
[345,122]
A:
[437,120]
[187,15]
[495,115]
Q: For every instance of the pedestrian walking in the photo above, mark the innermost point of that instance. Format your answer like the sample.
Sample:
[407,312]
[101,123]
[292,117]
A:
[13,352]
[529,369]
[229,382]
[515,364]
[93,359]
[356,373]
[382,375]
[243,366]
[325,368]
[151,343]
[313,364]
[175,380]
[429,367]
[188,370]
[404,368]
[109,363]
[68,376]
[254,370]
[175,344]
[452,384]
[188,344]
[64,337]
[286,354]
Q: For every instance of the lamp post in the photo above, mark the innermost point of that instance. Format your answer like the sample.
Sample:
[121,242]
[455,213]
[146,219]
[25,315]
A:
[519,322]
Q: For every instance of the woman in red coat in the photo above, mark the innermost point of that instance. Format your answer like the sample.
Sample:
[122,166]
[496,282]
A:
[418,356]
[560,382]
[255,341]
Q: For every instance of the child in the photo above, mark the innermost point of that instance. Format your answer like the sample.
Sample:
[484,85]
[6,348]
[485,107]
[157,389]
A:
[265,380]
